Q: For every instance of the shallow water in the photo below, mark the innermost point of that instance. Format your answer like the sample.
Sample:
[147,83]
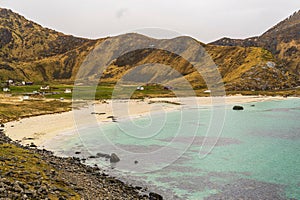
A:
[257,155]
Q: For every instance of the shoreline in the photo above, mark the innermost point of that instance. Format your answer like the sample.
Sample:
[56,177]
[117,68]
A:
[42,128]
[58,177]
[36,123]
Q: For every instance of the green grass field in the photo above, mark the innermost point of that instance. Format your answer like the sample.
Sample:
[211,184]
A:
[101,92]
[109,91]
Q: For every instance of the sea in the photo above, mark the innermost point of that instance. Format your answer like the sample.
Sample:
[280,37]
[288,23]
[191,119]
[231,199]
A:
[199,152]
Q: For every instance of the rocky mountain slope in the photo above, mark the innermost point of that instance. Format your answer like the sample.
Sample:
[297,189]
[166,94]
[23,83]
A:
[30,52]
[282,40]
[33,53]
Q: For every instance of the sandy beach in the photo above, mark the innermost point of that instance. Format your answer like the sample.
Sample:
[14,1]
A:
[40,129]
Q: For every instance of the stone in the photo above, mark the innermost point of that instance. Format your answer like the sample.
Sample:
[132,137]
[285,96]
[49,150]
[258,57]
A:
[114,158]
[103,155]
[238,108]
[92,157]
[154,196]
[32,145]
[17,188]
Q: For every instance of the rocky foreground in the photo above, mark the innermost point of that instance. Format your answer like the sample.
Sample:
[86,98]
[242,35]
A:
[30,173]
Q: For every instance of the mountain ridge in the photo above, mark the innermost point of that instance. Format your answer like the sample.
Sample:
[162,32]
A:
[31,52]
[283,40]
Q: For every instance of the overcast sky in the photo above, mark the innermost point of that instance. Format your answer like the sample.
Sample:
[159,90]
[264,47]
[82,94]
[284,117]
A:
[206,20]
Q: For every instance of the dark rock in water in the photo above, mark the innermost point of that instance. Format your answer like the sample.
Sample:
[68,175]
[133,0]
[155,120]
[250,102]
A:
[114,158]
[154,196]
[238,108]
[102,155]
[2,126]
[136,162]
[113,118]
[252,105]
[77,152]
[92,157]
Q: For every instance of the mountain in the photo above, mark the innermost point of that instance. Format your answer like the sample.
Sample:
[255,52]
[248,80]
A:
[31,52]
[282,40]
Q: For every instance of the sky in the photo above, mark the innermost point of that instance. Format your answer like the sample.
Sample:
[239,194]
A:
[205,20]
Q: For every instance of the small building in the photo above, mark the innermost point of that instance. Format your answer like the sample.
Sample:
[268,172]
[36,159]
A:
[47,87]
[68,91]
[27,83]
[10,81]
[6,89]
[141,88]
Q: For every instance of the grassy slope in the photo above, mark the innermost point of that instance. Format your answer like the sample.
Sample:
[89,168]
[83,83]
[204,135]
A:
[28,167]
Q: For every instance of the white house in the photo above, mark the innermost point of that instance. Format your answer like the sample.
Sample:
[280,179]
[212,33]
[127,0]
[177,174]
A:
[141,88]
[68,91]
[6,89]
[45,87]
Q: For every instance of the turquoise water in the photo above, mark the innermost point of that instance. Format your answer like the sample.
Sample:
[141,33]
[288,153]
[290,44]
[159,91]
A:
[257,155]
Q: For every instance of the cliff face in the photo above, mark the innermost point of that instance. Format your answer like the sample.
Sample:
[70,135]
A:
[33,53]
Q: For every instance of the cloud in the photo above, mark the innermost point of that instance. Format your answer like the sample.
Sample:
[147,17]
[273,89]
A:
[121,12]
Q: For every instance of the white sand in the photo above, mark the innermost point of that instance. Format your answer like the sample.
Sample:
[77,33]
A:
[43,128]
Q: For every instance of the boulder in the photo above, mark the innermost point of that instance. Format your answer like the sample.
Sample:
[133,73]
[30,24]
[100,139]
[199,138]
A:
[114,158]
[32,145]
[154,196]
[238,108]
[102,155]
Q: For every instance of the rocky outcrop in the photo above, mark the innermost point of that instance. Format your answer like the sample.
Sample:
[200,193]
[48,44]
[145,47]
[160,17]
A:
[238,108]
[114,158]
[5,36]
